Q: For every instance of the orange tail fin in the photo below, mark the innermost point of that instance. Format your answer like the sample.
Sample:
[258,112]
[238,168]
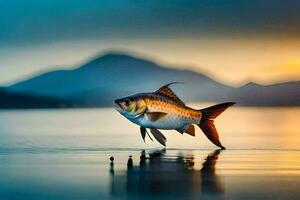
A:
[207,121]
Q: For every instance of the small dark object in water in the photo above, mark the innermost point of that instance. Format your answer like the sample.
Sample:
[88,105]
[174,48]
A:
[112,159]
[143,158]
[130,162]
[111,170]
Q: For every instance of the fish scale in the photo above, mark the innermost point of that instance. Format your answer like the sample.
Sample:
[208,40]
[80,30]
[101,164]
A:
[177,115]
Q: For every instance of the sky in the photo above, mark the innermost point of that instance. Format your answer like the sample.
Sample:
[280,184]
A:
[232,41]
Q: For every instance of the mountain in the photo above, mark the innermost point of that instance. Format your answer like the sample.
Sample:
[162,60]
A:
[280,94]
[10,100]
[112,75]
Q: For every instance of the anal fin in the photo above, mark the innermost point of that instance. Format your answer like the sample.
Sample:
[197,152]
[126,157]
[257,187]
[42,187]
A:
[189,129]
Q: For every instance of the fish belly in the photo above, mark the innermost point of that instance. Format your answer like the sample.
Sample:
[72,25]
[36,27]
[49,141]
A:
[166,123]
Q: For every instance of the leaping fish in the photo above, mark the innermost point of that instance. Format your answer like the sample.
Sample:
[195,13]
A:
[162,109]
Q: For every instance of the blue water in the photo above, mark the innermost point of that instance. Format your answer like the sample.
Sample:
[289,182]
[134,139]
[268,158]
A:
[64,154]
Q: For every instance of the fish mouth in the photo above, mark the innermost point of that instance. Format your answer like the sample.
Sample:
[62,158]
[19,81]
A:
[118,107]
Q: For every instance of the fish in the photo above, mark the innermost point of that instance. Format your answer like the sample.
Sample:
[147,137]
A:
[164,110]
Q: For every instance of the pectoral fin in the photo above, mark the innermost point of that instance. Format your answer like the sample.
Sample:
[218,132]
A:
[154,116]
[189,129]
[143,133]
[159,136]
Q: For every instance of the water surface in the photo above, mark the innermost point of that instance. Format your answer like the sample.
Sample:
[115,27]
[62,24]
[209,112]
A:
[64,154]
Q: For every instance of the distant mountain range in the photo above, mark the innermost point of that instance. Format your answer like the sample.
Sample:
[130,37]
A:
[98,82]
[10,100]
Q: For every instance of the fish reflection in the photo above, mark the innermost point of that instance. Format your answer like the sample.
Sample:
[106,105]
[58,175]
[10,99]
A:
[169,175]
[210,182]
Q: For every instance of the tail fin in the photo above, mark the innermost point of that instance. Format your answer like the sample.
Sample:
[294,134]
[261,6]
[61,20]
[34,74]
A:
[207,121]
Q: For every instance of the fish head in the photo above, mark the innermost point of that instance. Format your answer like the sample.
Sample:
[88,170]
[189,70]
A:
[131,106]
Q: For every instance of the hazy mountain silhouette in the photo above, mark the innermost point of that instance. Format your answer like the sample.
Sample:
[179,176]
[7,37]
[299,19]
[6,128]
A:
[10,100]
[280,94]
[112,75]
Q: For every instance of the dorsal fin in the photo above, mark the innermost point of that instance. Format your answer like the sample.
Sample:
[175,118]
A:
[166,91]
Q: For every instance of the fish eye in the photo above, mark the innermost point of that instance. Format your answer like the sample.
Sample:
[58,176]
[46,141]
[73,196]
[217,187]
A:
[127,102]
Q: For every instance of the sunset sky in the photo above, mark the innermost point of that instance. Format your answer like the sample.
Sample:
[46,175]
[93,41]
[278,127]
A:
[232,41]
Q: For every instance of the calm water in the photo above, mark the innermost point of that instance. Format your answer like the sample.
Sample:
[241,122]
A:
[64,154]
